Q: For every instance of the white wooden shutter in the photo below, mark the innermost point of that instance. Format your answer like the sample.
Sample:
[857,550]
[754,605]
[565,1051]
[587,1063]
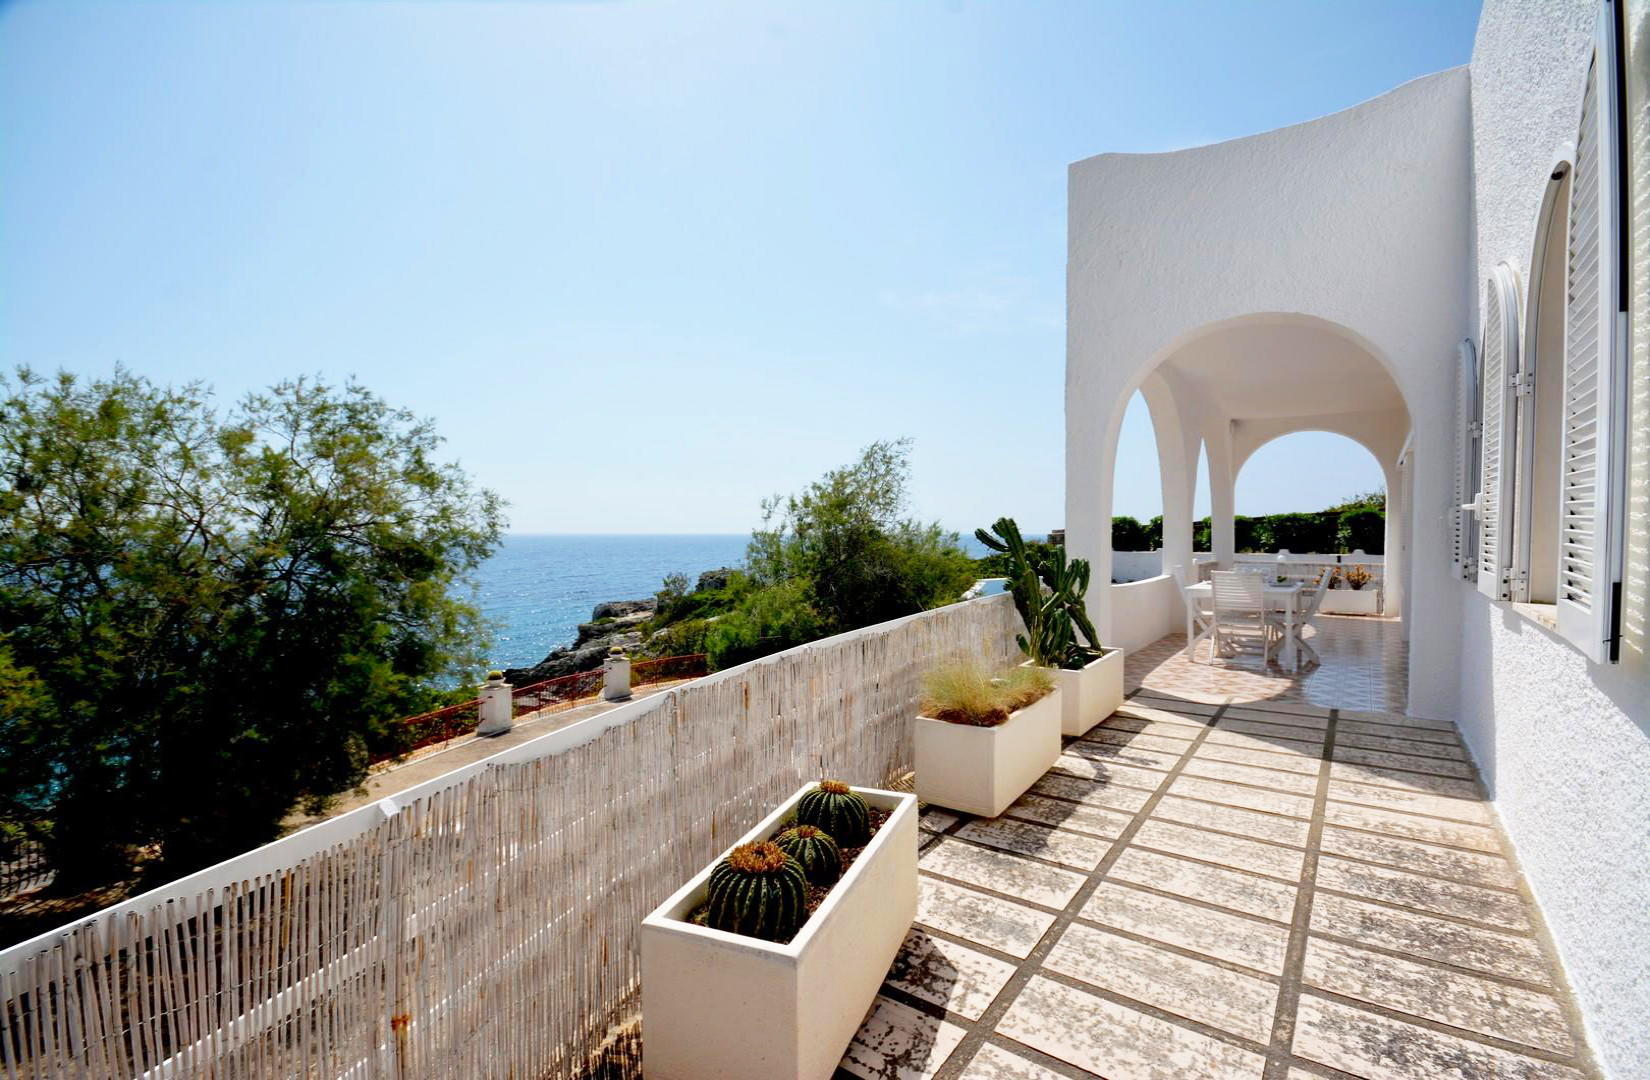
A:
[1464,517]
[1588,521]
[1496,434]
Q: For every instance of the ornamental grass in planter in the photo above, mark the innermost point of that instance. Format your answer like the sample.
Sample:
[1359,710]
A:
[983,738]
[764,963]
[1050,594]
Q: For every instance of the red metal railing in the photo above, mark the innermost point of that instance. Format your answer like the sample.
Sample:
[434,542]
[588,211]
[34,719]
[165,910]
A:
[550,695]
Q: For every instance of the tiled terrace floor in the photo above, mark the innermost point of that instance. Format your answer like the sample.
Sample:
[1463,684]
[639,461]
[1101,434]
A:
[1196,890]
[1363,664]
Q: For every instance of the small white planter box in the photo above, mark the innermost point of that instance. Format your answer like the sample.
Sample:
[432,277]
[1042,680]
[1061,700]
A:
[981,770]
[1091,694]
[716,1004]
[1365,601]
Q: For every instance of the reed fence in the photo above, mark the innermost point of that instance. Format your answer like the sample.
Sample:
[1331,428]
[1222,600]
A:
[484,923]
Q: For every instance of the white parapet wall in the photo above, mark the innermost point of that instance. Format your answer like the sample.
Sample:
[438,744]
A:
[1145,611]
[1129,566]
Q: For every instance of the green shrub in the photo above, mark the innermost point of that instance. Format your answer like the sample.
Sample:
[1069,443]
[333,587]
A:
[1363,529]
[767,620]
[1127,534]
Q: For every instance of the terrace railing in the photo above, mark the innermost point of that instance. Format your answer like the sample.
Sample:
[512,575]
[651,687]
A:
[483,923]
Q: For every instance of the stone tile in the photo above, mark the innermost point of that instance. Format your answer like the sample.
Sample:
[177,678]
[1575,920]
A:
[1357,755]
[1453,788]
[1038,841]
[1291,708]
[1299,783]
[995,1063]
[998,871]
[1222,736]
[1281,732]
[1224,999]
[1359,727]
[1163,729]
[1271,802]
[1174,706]
[1449,997]
[1468,810]
[933,819]
[1117,1042]
[988,920]
[1272,757]
[896,1042]
[1389,886]
[952,976]
[1110,773]
[1252,855]
[1419,747]
[1211,884]
[1254,944]
[1379,1048]
[1137,739]
[1261,826]
[1318,721]
[1113,753]
[1091,793]
[1075,817]
[1468,866]
[1431,938]
[1395,719]
[1453,833]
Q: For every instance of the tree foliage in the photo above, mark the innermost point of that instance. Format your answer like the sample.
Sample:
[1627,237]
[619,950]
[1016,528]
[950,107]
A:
[207,616]
[841,554]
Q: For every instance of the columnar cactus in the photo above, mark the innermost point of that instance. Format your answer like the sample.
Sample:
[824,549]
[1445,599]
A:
[821,859]
[839,810]
[759,891]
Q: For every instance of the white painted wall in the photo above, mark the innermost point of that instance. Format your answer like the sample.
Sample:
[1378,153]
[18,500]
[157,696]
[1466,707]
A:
[1135,565]
[1143,611]
[1356,224]
[1563,744]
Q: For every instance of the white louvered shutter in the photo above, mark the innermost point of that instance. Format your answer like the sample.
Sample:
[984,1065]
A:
[1496,431]
[1464,528]
[1588,532]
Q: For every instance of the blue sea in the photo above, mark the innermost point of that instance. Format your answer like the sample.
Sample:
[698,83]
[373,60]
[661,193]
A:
[537,589]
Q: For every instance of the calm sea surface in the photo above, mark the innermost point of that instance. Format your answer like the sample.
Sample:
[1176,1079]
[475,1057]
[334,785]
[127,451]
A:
[537,589]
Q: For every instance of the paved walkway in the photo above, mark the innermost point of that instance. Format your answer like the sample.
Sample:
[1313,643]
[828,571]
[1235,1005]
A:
[1261,890]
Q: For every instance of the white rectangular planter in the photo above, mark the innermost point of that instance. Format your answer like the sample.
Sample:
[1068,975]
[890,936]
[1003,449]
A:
[1365,601]
[716,1004]
[981,770]
[1090,694]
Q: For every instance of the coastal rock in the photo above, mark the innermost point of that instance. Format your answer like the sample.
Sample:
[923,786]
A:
[712,580]
[612,623]
[614,609]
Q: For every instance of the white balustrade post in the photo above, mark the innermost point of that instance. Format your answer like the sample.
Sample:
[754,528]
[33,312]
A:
[497,707]
[616,676]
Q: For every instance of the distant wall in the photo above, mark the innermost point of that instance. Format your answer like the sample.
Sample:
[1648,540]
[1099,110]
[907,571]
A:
[1135,565]
[1145,611]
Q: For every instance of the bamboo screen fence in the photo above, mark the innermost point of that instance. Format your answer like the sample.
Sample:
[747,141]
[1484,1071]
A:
[484,924]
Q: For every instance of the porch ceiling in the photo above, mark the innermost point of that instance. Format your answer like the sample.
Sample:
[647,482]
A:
[1275,370]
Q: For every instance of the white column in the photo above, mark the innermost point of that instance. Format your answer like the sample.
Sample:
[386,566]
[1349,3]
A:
[497,711]
[616,677]
[1396,565]
[1175,468]
[1217,446]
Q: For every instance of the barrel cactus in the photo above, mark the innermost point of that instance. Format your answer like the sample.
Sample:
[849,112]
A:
[759,891]
[821,859]
[839,810]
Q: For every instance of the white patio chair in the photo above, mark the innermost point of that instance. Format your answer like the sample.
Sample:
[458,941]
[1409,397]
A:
[1309,612]
[1241,613]
[1200,616]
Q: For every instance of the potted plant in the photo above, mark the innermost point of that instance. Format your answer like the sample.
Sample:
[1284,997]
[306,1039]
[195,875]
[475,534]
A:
[1049,593]
[1348,596]
[981,740]
[764,963]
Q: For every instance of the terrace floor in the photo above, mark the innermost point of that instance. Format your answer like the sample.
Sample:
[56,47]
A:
[1262,889]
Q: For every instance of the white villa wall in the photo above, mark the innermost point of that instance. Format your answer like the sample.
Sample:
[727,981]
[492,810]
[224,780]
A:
[1563,744]
[1143,611]
[1357,222]
[1135,565]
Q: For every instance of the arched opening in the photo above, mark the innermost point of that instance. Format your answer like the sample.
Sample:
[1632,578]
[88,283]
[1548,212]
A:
[1311,492]
[1137,503]
[1540,427]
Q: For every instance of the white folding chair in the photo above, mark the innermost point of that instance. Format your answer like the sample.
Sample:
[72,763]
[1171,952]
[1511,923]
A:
[1309,612]
[1241,613]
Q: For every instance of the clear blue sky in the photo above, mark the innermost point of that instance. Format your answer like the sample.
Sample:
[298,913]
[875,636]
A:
[643,262]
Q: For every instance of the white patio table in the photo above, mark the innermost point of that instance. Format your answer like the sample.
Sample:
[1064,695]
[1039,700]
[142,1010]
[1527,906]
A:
[1284,599]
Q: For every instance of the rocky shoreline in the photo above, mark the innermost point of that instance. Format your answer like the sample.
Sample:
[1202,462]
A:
[613,622]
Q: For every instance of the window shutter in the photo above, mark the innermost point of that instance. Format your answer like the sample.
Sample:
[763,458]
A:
[1588,529]
[1496,431]
[1464,519]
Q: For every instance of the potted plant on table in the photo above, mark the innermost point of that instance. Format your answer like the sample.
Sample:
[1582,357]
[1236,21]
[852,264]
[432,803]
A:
[1049,592]
[764,963]
[983,739]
